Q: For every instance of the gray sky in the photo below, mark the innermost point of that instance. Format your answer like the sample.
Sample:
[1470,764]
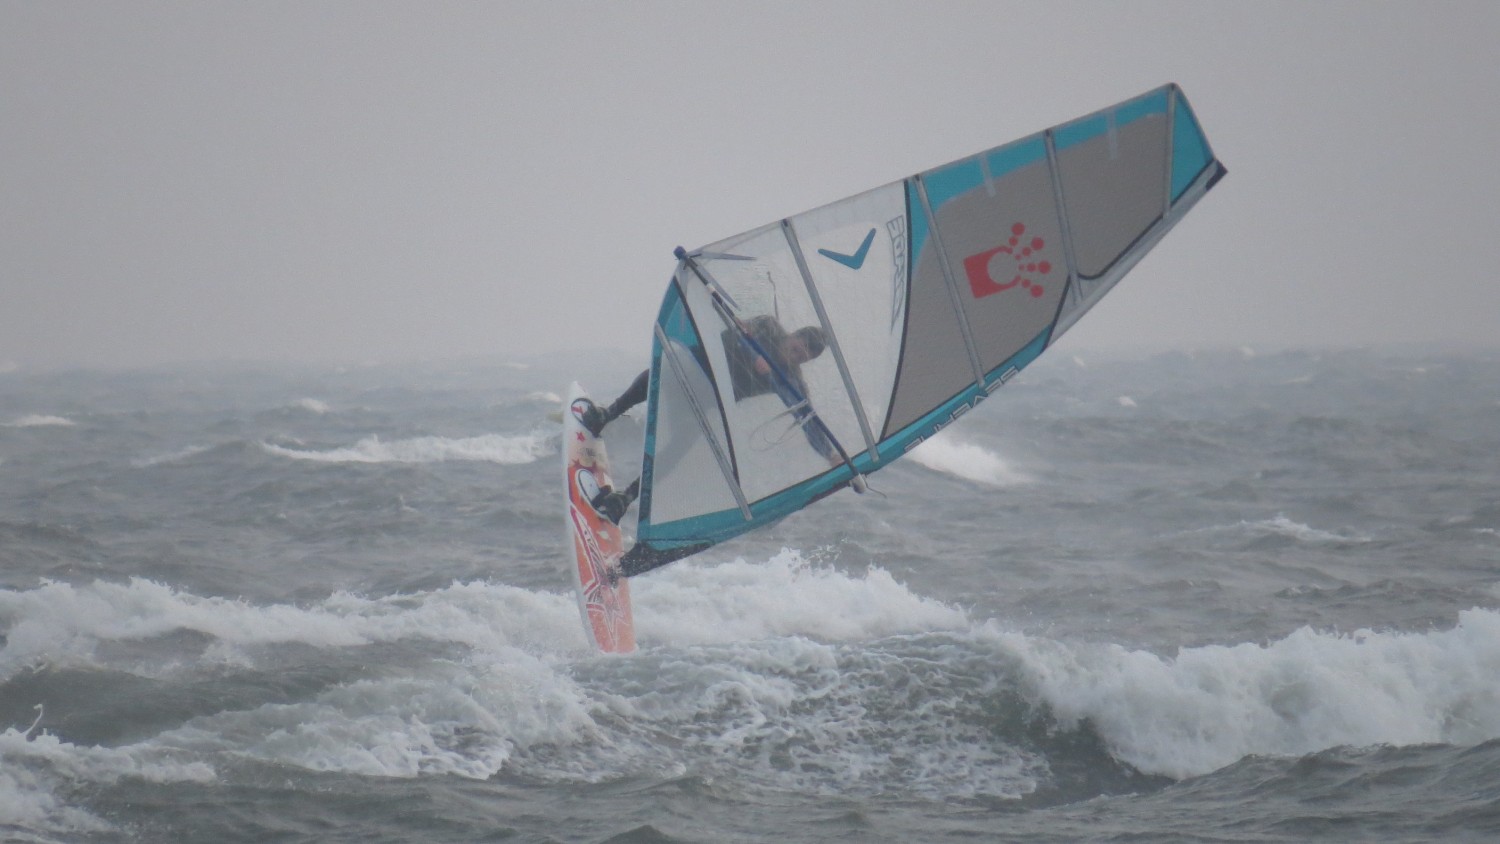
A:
[353,181]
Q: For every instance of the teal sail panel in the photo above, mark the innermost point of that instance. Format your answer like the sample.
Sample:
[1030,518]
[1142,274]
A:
[794,359]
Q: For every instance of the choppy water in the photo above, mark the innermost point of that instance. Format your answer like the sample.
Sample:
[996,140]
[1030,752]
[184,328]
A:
[1215,597]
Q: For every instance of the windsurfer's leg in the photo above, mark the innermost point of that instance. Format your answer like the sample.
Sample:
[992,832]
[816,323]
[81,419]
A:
[633,395]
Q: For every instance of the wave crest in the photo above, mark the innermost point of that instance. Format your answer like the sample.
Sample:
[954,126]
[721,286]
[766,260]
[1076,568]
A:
[1211,706]
[966,460]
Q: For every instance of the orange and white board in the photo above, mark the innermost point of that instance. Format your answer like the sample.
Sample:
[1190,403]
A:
[603,593]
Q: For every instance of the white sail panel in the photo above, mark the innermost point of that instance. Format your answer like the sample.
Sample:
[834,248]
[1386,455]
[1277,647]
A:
[770,451]
[687,461]
[855,252]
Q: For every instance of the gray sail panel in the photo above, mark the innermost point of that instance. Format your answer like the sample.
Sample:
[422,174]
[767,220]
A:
[1119,192]
[999,225]
[1114,186]
[1008,248]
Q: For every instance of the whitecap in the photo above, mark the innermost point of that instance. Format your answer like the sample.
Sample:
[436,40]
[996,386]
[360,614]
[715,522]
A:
[37,420]
[1211,706]
[494,448]
[693,603]
[169,457]
[34,768]
[965,460]
[1281,526]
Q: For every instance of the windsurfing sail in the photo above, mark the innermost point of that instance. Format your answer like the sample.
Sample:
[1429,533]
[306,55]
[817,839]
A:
[925,295]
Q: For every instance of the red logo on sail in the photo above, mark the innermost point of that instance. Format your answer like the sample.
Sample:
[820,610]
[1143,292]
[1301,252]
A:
[1017,258]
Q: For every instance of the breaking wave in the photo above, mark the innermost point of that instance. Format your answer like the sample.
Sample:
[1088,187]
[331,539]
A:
[738,660]
[966,460]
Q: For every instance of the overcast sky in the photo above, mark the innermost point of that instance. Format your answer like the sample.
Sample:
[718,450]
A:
[360,181]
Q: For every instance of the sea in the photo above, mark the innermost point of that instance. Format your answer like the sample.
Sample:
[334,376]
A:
[1227,595]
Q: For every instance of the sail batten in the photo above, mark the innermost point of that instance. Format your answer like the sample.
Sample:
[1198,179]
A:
[951,284]
[1072,295]
[929,293]
[830,336]
[1166,199]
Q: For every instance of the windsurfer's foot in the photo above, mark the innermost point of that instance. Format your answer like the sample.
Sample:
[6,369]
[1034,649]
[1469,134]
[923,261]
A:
[594,419]
[612,505]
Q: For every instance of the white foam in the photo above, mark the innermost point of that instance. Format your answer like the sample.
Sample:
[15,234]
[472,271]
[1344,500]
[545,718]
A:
[35,420]
[513,689]
[1125,401]
[439,716]
[1211,706]
[170,457]
[736,655]
[824,718]
[33,768]
[971,462]
[494,448]
[313,406]
[101,764]
[62,623]
[687,603]
[463,719]
[1282,526]
[692,603]
[544,396]
[797,676]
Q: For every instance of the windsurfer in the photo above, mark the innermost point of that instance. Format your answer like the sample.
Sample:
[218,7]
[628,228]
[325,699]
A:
[752,375]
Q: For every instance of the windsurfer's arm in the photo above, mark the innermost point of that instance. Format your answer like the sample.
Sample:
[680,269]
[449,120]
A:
[817,437]
[769,334]
[807,418]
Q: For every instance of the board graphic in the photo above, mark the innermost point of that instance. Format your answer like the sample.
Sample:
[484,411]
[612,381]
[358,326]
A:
[603,595]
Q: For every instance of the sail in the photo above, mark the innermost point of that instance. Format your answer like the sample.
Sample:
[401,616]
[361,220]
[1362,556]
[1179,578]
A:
[926,295]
